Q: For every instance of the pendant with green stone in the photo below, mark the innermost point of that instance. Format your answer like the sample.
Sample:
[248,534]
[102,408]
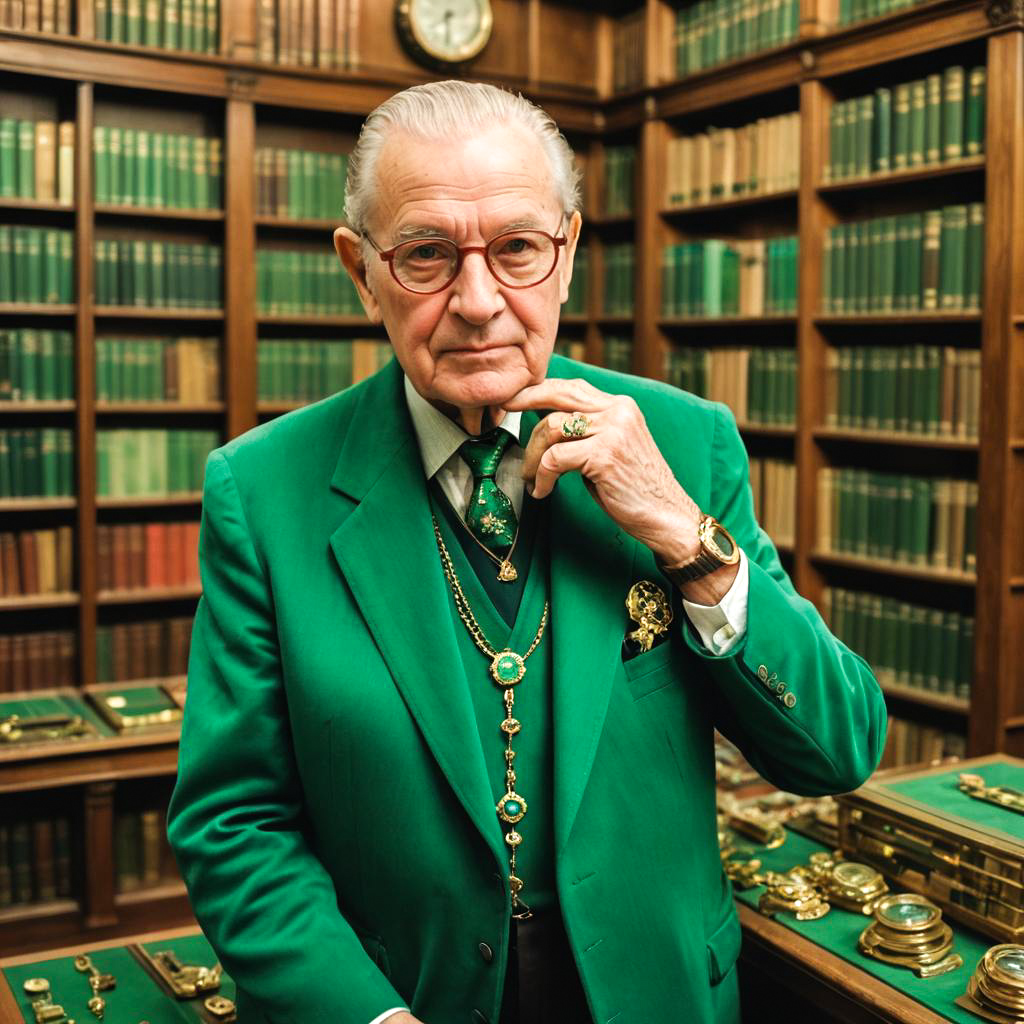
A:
[507,668]
[511,807]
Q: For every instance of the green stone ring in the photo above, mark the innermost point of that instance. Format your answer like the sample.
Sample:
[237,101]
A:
[575,425]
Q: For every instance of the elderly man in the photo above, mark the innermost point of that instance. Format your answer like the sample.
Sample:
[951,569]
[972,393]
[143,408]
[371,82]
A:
[467,629]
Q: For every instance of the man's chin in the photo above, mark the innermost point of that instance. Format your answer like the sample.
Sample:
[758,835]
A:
[484,387]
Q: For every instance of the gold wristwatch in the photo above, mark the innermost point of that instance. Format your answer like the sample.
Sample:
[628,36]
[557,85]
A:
[717,549]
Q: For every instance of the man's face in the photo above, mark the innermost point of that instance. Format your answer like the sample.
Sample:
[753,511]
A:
[477,342]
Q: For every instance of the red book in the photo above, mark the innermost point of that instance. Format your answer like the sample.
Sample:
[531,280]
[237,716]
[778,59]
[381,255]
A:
[192,551]
[155,555]
[175,554]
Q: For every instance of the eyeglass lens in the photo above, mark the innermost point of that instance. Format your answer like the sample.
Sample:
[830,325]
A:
[517,259]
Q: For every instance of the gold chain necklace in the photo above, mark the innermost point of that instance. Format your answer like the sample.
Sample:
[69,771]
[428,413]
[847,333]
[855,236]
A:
[507,669]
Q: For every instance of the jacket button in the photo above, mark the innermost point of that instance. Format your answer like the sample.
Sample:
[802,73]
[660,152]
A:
[486,952]
[479,1018]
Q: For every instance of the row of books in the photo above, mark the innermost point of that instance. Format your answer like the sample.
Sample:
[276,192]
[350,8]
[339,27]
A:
[619,176]
[913,124]
[715,277]
[35,860]
[304,370]
[628,51]
[908,263]
[152,649]
[619,274]
[851,11]
[135,167]
[157,369]
[36,562]
[37,661]
[151,463]
[300,184]
[146,556]
[723,163]
[36,365]
[905,644]
[773,486]
[576,303]
[909,742]
[37,159]
[151,274]
[617,352]
[711,32]
[38,16]
[142,854]
[36,265]
[192,25]
[36,462]
[293,281]
[758,384]
[310,33]
[916,521]
[917,389]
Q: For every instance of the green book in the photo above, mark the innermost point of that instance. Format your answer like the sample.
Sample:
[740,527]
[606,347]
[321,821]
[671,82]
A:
[953,113]
[918,103]
[7,281]
[28,365]
[974,118]
[140,275]
[974,259]
[875,229]
[216,171]
[143,168]
[34,258]
[8,157]
[916,229]
[152,23]
[881,143]
[50,291]
[948,655]
[114,155]
[887,265]
[933,119]
[864,132]
[951,257]
[295,186]
[965,658]
[901,127]
[101,163]
[934,270]
[887,389]
[49,472]
[172,25]
[202,177]
[157,188]
[48,366]
[864,260]
[65,465]
[26,187]
[133,22]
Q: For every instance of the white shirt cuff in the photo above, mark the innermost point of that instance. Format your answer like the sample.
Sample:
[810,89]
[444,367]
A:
[721,626]
[388,1013]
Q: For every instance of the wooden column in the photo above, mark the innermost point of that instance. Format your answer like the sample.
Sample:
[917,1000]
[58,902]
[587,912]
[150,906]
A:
[98,847]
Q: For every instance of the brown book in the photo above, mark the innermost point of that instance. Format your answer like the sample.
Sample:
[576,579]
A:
[68,667]
[120,661]
[105,556]
[66,162]
[43,859]
[6,670]
[62,857]
[46,160]
[46,560]
[178,636]
[307,31]
[19,662]
[65,559]
[135,642]
[64,16]
[947,395]
[151,847]
[266,34]
[28,562]
[153,642]
[325,34]
[281,182]
[941,526]
[136,555]
[127,851]
[37,656]
[119,557]
[957,522]
[6,893]
[155,555]
[48,15]
[173,391]
[9,571]
[31,15]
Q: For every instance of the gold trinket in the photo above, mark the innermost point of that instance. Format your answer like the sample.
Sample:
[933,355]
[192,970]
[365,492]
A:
[220,1007]
[97,982]
[996,989]
[507,572]
[908,931]
[15,729]
[184,981]
[1002,796]
[651,610]
[35,986]
[793,894]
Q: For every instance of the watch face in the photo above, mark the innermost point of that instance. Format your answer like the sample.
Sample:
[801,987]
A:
[721,541]
[1012,961]
[448,30]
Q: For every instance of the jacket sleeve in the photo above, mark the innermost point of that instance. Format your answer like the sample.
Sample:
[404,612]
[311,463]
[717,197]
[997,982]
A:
[805,710]
[264,900]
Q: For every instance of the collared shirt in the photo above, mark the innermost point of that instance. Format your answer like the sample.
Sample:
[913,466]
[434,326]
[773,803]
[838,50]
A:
[720,626]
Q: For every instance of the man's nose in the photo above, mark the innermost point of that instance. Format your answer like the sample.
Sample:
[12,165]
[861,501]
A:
[476,295]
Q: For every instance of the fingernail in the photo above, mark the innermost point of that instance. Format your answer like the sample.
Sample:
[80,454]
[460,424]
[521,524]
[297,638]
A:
[529,488]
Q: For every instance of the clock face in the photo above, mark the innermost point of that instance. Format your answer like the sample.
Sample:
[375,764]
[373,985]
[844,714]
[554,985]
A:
[450,31]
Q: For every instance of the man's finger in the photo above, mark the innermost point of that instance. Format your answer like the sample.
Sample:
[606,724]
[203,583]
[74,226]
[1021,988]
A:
[559,459]
[548,432]
[567,395]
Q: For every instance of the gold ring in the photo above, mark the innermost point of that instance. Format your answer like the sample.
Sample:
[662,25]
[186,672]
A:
[575,425]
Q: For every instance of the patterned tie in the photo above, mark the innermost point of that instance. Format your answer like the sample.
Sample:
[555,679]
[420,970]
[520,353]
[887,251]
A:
[490,515]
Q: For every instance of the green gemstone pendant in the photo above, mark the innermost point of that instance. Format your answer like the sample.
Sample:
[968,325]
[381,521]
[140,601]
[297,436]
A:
[507,668]
[511,807]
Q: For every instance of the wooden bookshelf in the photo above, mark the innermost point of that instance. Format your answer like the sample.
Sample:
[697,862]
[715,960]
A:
[563,59]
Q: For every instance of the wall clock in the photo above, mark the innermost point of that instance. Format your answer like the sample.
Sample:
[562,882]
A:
[443,33]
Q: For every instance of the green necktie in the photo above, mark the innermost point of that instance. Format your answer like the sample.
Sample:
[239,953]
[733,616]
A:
[490,515]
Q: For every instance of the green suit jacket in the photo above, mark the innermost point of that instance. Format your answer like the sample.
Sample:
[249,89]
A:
[333,818]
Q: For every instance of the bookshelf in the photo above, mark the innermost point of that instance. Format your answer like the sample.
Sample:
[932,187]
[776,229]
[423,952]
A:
[571,57]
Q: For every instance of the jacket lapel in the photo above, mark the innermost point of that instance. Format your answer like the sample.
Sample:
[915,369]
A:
[388,555]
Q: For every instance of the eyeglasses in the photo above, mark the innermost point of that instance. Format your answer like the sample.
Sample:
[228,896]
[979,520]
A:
[517,259]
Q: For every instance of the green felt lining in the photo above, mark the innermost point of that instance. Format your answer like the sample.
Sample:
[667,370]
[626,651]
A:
[29,707]
[137,996]
[939,794]
[839,930]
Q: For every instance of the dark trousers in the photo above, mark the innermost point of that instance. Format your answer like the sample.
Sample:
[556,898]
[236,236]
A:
[542,985]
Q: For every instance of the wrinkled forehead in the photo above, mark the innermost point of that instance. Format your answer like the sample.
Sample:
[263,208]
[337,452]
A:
[476,183]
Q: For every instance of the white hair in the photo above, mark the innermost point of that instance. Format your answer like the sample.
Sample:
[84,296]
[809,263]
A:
[453,109]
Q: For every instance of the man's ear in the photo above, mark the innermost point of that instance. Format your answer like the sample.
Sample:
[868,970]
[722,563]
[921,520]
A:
[350,252]
[572,234]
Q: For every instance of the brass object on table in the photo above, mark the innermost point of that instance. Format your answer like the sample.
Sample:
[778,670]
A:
[848,884]
[183,981]
[1002,796]
[46,1011]
[743,866]
[792,893]
[40,728]
[35,986]
[908,931]
[996,989]
[98,982]
[220,1007]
